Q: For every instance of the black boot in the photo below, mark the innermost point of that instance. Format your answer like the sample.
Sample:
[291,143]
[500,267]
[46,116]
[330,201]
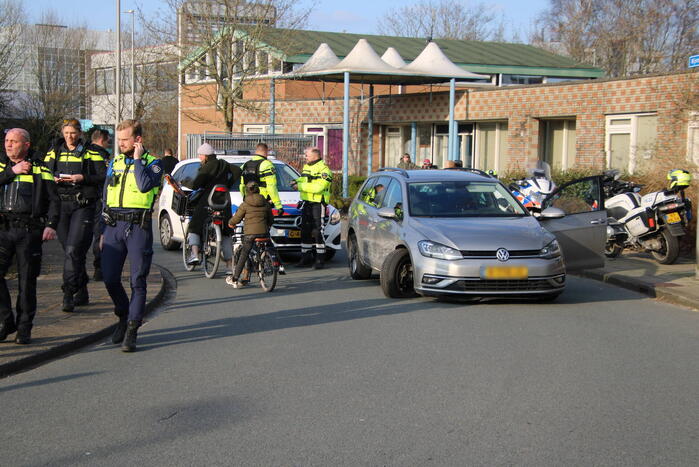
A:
[306,260]
[7,328]
[320,262]
[68,302]
[24,336]
[129,344]
[81,297]
[119,331]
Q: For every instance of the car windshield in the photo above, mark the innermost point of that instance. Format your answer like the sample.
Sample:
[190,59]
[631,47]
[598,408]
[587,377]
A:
[462,199]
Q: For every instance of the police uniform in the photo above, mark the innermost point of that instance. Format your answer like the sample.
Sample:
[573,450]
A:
[260,170]
[78,205]
[129,194]
[28,204]
[99,225]
[314,188]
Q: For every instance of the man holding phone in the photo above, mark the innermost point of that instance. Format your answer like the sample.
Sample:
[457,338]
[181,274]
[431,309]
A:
[133,179]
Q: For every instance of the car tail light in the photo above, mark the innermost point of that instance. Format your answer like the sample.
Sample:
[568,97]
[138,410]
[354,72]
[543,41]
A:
[221,189]
[218,221]
[651,222]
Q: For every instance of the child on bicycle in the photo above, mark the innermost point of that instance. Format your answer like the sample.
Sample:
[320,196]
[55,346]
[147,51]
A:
[256,213]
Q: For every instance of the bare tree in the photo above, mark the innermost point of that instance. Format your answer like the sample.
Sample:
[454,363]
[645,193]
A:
[221,44]
[622,36]
[444,19]
[12,18]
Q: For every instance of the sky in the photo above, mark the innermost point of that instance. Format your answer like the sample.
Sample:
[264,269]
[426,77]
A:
[356,16]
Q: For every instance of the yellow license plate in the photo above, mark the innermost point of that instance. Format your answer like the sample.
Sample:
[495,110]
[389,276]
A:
[294,234]
[506,272]
[673,218]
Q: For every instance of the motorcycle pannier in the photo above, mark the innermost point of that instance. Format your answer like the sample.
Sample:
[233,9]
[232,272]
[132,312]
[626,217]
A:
[638,223]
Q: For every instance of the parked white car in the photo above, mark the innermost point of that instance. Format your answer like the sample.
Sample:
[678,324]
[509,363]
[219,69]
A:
[285,232]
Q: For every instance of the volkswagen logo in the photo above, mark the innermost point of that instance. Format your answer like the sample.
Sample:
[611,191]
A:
[502,254]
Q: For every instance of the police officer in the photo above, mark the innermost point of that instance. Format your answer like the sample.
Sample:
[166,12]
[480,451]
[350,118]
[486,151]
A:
[29,211]
[260,170]
[100,140]
[314,187]
[78,169]
[133,178]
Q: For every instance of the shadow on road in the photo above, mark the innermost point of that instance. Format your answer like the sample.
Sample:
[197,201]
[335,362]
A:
[42,382]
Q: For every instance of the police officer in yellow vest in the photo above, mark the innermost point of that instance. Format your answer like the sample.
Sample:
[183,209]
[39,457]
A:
[29,213]
[133,178]
[260,170]
[314,187]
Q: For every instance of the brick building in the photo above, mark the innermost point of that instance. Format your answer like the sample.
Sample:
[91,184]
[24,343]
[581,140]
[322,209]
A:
[621,123]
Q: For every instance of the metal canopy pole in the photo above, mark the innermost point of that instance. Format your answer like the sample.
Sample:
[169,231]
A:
[272,105]
[452,133]
[345,138]
[413,141]
[370,130]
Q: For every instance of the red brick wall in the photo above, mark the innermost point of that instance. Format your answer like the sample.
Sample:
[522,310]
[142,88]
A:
[523,106]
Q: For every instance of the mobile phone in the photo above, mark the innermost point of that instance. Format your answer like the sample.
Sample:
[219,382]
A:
[64,176]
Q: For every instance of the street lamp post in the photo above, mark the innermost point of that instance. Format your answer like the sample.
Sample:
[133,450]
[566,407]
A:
[133,64]
[117,73]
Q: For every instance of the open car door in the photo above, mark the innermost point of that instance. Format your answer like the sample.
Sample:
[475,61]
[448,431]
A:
[582,233]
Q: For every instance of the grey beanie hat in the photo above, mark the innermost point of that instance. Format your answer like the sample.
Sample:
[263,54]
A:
[205,150]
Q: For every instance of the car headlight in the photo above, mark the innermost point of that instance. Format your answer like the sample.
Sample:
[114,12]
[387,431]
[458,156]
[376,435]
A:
[437,250]
[335,217]
[552,250]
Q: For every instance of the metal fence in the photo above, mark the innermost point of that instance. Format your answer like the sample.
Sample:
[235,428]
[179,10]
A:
[286,147]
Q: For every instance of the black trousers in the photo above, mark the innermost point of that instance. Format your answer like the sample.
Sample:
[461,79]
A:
[75,231]
[97,229]
[26,244]
[311,227]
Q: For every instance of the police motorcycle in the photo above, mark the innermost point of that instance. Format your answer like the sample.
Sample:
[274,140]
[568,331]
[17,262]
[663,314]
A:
[652,222]
[532,191]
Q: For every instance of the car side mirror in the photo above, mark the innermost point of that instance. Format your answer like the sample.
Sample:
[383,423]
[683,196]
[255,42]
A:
[387,213]
[552,213]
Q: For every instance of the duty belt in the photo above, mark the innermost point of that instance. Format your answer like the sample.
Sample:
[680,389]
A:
[20,221]
[76,197]
[140,217]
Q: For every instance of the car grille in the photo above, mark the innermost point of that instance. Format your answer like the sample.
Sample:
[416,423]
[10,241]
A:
[285,222]
[502,285]
[491,254]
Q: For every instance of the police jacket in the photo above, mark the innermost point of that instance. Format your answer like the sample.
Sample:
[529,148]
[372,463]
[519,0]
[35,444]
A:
[32,194]
[87,159]
[132,183]
[261,170]
[256,212]
[314,182]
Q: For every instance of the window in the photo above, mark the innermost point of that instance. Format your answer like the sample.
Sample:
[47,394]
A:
[693,138]
[558,143]
[367,190]
[581,196]
[521,79]
[393,198]
[491,146]
[185,176]
[630,140]
[104,81]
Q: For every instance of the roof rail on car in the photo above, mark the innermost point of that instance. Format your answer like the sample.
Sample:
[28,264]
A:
[403,172]
[468,169]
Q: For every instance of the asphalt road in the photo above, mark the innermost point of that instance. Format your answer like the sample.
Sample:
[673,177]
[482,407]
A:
[325,371]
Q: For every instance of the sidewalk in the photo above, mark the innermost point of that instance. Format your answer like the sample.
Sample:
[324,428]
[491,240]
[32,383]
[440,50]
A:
[673,283]
[56,333]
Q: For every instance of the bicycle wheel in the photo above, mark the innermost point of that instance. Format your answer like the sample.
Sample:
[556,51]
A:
[267,272]
[211,240]
[186,253]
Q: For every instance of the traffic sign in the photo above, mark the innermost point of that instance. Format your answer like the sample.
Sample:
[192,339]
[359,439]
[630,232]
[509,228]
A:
[693,61]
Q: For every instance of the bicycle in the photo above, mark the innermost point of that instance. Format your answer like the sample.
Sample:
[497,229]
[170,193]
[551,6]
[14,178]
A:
[261,261]
[211,235]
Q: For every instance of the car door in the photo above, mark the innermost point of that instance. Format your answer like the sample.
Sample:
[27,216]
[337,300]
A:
[388,231]
[359,217]
[582,232]
[373,247]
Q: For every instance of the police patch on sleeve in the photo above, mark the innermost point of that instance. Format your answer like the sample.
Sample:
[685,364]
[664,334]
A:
[156,168]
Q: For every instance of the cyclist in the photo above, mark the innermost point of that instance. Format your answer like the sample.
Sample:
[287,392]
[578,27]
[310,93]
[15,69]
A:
[212,172]
[256,213]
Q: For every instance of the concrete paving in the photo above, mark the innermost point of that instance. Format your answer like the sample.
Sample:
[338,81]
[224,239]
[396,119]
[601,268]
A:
[56,333]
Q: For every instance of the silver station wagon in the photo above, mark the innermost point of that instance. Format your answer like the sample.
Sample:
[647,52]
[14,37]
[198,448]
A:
[461,232]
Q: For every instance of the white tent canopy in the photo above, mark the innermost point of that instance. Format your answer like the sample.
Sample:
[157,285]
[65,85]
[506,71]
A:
[363,65]
[393,58]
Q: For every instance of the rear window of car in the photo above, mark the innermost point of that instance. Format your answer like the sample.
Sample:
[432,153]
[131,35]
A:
[285,174]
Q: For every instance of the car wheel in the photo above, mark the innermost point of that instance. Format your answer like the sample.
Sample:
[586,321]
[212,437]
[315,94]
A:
[165,229]
[397,275]
[357,270]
